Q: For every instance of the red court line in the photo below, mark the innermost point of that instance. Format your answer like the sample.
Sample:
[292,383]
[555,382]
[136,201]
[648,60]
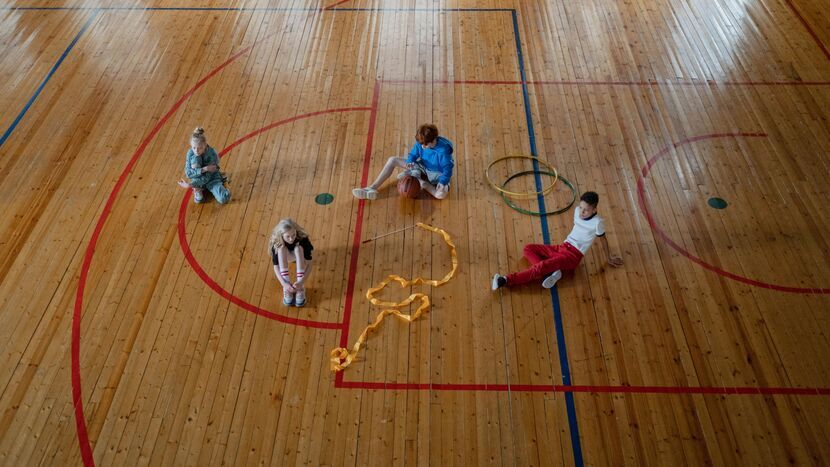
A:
[77,396]
[197,267]
[641,195]
[809,28]
[77,393]
[334,5]
[615,83]
[726,390]
[358,226]
[340,382]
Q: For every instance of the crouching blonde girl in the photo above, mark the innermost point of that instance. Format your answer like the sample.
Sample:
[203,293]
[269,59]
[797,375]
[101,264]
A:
[290,243]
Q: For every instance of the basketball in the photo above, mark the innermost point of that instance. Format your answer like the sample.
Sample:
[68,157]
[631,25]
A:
[409,187]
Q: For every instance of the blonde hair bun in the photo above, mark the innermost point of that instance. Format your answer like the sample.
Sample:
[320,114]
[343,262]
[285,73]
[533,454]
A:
[198,135]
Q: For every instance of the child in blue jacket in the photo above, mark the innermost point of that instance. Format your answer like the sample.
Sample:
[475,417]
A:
[201,166]
[430,161]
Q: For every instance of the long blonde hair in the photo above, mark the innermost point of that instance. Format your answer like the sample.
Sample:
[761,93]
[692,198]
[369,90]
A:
[282,227]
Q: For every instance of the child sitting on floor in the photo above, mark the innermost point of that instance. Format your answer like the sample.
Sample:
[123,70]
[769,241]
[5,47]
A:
[430,161]
[290,243]
[202,168]
[551,260]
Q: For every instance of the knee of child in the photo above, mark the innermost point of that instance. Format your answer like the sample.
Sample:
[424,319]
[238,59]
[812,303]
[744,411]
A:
[441,193]
[224,197]
[527,249]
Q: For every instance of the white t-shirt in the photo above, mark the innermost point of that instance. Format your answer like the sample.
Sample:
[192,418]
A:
[585,231]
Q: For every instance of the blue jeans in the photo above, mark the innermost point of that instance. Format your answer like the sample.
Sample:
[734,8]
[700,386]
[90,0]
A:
[217,188]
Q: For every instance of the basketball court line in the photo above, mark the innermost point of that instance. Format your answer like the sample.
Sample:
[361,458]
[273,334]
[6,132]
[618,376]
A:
[48,77]
[83,436]
[77,394]
[98,9]
[609,389]
[278,9]
[644,206]
[789,3]
[809,28]
[207,279]
[666,83]
[562,349]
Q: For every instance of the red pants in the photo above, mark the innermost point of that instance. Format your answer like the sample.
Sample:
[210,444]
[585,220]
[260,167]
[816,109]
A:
[544,260]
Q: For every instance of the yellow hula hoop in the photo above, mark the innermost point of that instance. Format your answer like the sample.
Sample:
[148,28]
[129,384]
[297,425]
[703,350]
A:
[523,194]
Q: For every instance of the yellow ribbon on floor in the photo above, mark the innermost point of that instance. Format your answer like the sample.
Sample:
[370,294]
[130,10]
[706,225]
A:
[341,357]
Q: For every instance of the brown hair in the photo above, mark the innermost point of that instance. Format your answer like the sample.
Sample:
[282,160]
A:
[590,197]
[198,135]
[427,133]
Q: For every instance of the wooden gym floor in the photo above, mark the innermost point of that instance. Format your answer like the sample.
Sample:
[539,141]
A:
[138,328]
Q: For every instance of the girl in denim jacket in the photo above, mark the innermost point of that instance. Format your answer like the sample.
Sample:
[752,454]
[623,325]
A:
[202,168]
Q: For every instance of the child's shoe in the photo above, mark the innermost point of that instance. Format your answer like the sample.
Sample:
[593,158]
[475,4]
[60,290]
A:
[550,281]
[198,195]
[365,193]
[498,281]
[288,298]
[300,302]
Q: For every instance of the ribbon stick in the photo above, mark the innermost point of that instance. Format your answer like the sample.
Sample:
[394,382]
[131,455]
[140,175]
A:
[389,233]
[342,357]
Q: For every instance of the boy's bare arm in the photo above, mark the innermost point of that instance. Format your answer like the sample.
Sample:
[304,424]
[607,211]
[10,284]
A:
[614,261]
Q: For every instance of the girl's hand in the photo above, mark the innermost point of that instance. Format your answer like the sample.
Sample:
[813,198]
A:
[410,166]
[299,285]
[290,288]
[210,168]
[183,183]
[615,261]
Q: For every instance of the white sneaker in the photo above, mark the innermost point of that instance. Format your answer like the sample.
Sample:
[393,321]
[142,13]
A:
[287,298]
[198,195]
[365,193]
[299,300]
[495,284]
[551,280]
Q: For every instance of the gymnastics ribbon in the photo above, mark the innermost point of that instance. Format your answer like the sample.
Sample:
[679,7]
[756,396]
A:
[342,357]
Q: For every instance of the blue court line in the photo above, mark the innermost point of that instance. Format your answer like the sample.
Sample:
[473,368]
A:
[47,78]
[576,444]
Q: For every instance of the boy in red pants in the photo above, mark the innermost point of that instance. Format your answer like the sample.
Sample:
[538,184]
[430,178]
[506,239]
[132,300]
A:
[551,260]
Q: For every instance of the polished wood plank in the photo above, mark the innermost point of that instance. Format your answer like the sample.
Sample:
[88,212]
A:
[174,373]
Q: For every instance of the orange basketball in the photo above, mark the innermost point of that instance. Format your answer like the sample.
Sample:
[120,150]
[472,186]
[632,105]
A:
[409,187]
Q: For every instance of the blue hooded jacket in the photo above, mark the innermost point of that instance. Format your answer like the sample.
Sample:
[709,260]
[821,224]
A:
[437,159]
